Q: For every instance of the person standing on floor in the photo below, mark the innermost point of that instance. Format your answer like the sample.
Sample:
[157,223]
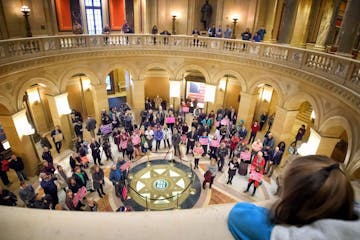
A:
[274,161]
[27,194]
[191,138]
[158,135]
[263,118]
[300,133]
[17,164]
[254,129]
[95,151]
[49,186]
[212,169]
[175,139]
[57,137]
[233,166]
[47,155]
[198,152]
[91,125]
[222,152]
[257,169]
[98,180]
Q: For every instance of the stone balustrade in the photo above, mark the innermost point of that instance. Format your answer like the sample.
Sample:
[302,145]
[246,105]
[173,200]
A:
[337,69]
[200,223]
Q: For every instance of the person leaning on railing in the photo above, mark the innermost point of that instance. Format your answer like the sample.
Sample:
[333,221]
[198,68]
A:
[316,202]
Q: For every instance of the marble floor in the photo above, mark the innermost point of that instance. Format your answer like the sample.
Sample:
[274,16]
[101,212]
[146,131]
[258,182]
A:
[221,193]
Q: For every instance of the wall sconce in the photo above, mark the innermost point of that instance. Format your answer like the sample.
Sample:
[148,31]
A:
[22,125]
[62,104]
[174,14]
[312,144]
[86,84]
[33,95]
[26,11]
[235,18]
[222,85]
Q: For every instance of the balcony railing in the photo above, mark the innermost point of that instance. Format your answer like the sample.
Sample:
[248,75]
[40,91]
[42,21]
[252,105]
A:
[343,71]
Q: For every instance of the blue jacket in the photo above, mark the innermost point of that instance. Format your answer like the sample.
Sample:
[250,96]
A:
[158,135]
[249,222]
[115,175]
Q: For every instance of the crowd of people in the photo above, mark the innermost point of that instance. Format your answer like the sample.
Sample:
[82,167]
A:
[217,136]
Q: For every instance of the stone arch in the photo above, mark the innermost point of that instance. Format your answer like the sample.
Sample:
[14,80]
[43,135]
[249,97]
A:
[184,68]
[337,122]
[156,65]
[116,65]
[50,86]
[8,105]
[355,167]
[215,80]
[69,73]
[252,88]
[293,102]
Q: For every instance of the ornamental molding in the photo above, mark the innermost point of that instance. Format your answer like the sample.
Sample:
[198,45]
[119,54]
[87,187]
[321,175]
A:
[242,61]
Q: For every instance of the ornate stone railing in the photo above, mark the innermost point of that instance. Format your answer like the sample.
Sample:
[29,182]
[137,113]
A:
[343,71]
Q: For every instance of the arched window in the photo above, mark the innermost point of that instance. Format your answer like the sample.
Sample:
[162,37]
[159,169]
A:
[93,16]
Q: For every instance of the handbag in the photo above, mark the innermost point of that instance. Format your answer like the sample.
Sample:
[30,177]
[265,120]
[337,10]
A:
[207,176]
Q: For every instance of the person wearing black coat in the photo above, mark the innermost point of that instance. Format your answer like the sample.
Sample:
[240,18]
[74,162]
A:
[17,164]
[47,155]
[192,137]
[78,129]
[95,151]
[80,177]
[98,180]
[49,186]
[233,166]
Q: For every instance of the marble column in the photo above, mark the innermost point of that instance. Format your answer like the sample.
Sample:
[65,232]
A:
[300,30]
[100,100]
[327,145]
[63,121]
[22,145]
[283,123]
[270,23]
[38,112]
[191,17]
[328,12]
[219,13]
[287,21]
[138,97]
[349,29]
[247,107]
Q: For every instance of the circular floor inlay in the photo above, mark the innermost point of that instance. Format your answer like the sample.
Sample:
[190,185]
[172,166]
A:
[161,185]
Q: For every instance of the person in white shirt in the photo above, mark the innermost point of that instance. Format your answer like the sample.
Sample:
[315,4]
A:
[149,134]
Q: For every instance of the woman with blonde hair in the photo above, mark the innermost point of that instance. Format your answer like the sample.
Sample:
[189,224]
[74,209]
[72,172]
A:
[317,202]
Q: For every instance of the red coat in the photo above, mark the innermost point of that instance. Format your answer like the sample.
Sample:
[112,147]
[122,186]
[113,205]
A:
[255,129]
[254,174]
[234,142]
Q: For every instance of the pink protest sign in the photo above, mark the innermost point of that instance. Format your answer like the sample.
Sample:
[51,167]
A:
[170,120]
[136,139]
[125,166]
[185,109]
[256,176]
[123,144]
[214,143]
[81,193]
[225,121]
[204,141]
[245,156]
[106,129]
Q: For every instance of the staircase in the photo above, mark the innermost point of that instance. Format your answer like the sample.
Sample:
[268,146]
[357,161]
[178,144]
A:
[304,114]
